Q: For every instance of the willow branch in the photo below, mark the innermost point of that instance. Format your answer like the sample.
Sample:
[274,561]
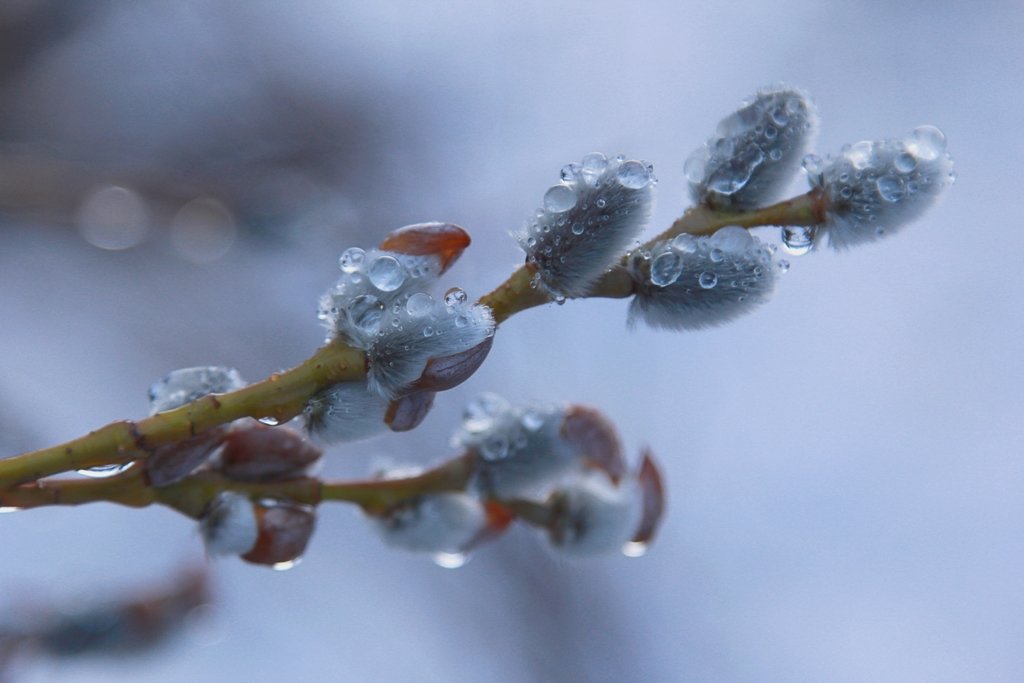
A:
[283,395]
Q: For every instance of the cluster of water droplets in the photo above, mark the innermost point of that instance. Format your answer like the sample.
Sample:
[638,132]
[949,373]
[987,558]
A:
[755,151]
[873,188]
[692,282]
[587,221]
[371,282]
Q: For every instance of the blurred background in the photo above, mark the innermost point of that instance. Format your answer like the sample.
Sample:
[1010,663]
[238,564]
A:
[844,467]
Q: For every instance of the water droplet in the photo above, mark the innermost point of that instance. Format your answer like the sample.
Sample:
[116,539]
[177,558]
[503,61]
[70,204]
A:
[601,203]
[733,175]
[594,164]
[783,266]
[461,321]
[891,188]
[779,116]
[813,166]
[351,260]
[455,296]
[450,560]
[104,471]
[428,331]
[904,162]
[419,304]
[494,448]
[633,175]
[685,243]
[666,268]
[270,420]
[386,273]
[286,565]
[8,508]
[860,154]
[775,154]
[559,199]
[532,420]
[365,312]
[927,143]
[694,167]
[717,255]
[570,172]
[797,239]
[635,549]
[732,239]
[478,415]
[707,280]
[578,228]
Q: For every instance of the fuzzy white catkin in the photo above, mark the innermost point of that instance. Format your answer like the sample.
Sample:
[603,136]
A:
[593,517]
[696,282]
[187,384]
[874,188]
[587,222]
[229,527]
[755,151]
[348,411]
[521,448]
[437,523]
[406,341]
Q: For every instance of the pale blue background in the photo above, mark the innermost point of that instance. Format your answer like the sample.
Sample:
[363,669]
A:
[844,466]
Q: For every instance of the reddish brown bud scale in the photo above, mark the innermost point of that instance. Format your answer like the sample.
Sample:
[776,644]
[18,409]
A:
[652,492]
[446,241]
[594,436]
[445,373]
[284,532]
[173,462]
[407,412]
[256,452]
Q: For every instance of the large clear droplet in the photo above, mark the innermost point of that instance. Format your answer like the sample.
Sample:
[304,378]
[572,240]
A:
[419,304]
[904,162]
[559,199]
[286,565]
[666,268]
[733,175]
[113,218]
[269,420]
[594,164]
[685,243]
[797,239]
[635,549]
[455,296]
[891,188]
[633,174]
[8,508]
[450,560]
[860,154]
[365,312]
[104,471]
[927,143]
[694,167]
[386,273]
[351,260]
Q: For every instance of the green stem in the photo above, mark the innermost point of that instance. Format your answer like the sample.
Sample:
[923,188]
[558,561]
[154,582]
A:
[283,395]
[192,495]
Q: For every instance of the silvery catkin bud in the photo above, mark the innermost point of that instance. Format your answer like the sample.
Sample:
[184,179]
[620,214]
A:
[441,523]
[695,282]
[755,151]
[592,516]
[587,222]
[348,411]
[874,188]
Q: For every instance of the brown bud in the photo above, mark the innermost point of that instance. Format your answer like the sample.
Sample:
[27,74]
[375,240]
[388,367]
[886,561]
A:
[407,412]
[652,493]
[446,241]
[173,462]
[447,372]
[256,452]
[596,440]
[284,532]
